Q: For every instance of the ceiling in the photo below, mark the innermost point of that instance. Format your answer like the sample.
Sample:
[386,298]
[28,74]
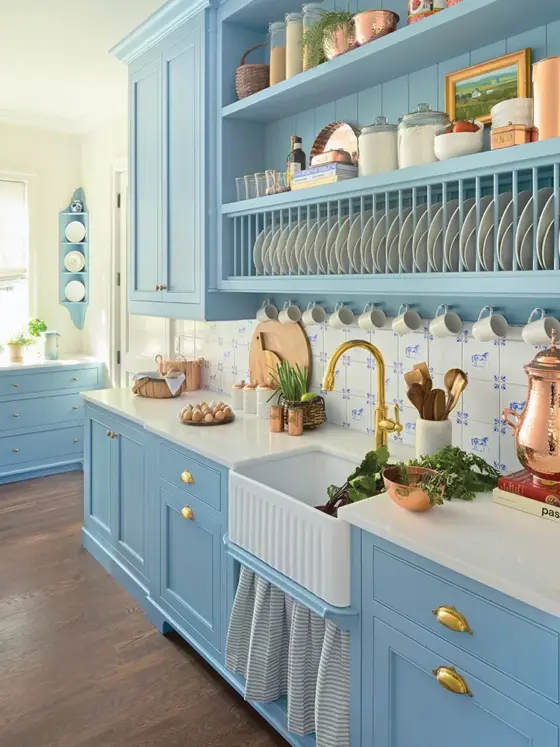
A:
[55,68]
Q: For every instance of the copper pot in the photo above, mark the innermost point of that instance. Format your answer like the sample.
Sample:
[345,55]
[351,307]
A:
[338,42]
[412,497]
[537,429]
[373,24]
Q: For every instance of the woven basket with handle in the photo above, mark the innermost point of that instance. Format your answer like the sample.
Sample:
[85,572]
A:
[154,388]
[251,77]
[314,413]
[192,370]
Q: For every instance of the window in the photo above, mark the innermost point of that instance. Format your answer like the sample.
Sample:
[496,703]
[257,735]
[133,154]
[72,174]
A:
[14,258]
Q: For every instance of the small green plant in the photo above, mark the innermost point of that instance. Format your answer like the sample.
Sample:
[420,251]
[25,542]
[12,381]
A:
[459,473]
[290,381]
[36,326]
[20,339]
[322,31]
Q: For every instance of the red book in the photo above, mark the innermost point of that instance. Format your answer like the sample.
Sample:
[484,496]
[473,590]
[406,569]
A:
[522,483]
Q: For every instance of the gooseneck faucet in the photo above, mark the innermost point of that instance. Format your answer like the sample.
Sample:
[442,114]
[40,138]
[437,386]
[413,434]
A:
[383,425]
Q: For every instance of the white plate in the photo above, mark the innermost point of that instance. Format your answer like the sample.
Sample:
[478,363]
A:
[422,228]
[406,256]
[407,230]
[290,253]
[546,218]
[395,227]
[365,242]
[75,232]
[355,239]
[525,250]
[380,256]
[507,216]
[300,264]
[452,255]
[420,252]
[468,255]
[469,221]
[486,229]
[258,251]
[341,249]
[74,261]
[487,254]
[330,249]
[436,227]
[453,226]
[546,255]
[75,291]
[505,253]
[526,221]
[267,269]
[393,256]
[378,240]
[320,248]
[435,252]
[309,262]
[281,249]
[270,259]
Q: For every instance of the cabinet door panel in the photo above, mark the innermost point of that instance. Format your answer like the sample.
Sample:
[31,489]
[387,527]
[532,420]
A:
[183,154]
[410,707]
[145,182]
[131,479]
[98,485]
[190,562]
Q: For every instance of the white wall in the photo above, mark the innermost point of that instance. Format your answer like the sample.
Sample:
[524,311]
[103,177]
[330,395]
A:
[51,162]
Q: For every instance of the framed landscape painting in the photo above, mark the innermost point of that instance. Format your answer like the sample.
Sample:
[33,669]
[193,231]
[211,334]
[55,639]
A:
[471,93]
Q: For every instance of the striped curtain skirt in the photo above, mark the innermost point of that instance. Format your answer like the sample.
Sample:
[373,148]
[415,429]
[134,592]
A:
[281,648]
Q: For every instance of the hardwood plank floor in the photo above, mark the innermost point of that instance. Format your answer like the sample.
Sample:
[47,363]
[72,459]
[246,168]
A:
[80,666]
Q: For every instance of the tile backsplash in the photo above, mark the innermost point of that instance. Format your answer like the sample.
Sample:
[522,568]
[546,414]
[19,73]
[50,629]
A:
[495,371]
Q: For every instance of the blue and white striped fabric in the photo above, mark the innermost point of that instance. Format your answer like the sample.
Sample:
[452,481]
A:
[282,648]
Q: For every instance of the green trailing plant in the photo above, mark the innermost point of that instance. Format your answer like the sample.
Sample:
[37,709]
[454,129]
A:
[36,326]
[314,37]
[20,339]
[290,381]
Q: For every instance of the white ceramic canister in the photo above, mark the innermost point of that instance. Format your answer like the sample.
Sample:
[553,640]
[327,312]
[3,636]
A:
[416,134]
[432,435]
[513,111]
[237,395]
[264,400]
[250,399]
[377,146]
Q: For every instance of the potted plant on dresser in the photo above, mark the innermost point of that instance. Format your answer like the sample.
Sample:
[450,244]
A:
[16,345]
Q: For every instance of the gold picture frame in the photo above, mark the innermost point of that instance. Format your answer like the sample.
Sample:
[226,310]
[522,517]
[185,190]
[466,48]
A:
[479,88]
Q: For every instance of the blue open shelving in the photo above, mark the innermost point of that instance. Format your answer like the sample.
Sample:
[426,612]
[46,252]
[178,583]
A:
[76,309]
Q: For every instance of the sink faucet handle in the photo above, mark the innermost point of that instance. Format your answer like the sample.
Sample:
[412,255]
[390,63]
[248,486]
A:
[397,424]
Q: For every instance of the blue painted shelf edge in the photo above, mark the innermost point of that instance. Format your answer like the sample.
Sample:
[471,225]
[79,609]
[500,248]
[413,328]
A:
[77,310]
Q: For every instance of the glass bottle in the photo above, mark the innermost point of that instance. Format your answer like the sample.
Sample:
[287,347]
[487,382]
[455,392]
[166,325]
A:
[294,33]
[312,13]
[277,31]
[296,158]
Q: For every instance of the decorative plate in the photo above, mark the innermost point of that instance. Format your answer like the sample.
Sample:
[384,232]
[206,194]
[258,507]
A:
[75,232]
[75,291]
[74,261]
[335,136]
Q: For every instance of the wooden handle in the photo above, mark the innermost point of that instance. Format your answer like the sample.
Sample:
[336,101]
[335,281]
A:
[263,44]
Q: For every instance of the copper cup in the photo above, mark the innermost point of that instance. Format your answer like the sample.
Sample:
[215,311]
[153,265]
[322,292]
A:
[373,24]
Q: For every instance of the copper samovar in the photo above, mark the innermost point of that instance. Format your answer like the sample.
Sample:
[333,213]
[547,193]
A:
[537,430]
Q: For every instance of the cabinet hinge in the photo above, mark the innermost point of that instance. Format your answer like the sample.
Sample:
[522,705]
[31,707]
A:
[118,280]
[119,200]
[118,357]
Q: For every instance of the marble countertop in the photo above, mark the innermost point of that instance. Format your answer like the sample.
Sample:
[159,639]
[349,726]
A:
[72,359]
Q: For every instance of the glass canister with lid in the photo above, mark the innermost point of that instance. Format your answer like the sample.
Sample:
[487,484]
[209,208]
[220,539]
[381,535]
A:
[294,54]
[377,146]
[277,31]
[416,133]
[312,13]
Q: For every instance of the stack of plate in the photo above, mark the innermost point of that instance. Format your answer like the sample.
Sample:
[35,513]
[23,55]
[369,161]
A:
[437,237]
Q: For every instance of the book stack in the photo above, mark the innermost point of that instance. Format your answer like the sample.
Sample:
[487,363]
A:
[521,492]
[327,173]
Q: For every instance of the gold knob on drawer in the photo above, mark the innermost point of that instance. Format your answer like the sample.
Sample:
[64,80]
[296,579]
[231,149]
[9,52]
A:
[15,415]
[187,477]
[162,287]
[15,385]
[109,434]
[449,678]
[15,451]
[76,440]
[113,435]
[187,512]
[75,407]
[452,619]
[75,378]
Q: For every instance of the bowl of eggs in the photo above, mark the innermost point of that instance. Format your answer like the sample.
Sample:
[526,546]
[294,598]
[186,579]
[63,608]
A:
[215,413]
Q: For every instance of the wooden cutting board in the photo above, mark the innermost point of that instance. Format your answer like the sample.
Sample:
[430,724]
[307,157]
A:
[273,342]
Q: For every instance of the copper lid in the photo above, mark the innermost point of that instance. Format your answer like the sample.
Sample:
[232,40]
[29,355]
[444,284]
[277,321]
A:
[546,360]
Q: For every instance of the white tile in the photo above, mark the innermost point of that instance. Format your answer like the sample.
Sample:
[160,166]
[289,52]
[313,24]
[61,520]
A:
[317,372]
[359,414]
[480,439]
[508,454]
[413,349]
[445,353]
[481,401]
[360,355]
[213,378]
[388,345]
[241,357]
[409,416]
[514,397]
[228,380]
[315,335]
[332,339]
[358,379]
[336,407]
[242,331]
[513,356]
[456,433]
[481,360]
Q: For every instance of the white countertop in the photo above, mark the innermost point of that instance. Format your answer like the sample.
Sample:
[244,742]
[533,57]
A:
[72,359]
[505,549]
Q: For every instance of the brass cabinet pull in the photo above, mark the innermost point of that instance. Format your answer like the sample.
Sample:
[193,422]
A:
[162,287]
[113,435]
[451,618]
[15,451]
[109,434]
[15,385]
[187,477]
[15,415]
[449,678]
[159,287]
[187,512]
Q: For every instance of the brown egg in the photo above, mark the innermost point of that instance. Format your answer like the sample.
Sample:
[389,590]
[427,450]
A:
[188,416]
[227,412]
[208,418]
[196,416]
[220,417]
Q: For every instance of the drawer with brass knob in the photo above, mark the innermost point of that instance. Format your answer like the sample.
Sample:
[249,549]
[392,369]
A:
[48,381]
[56,444]
[190,475]
[40,411]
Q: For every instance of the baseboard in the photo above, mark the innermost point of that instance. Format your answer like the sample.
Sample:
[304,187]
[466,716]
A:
[34,472]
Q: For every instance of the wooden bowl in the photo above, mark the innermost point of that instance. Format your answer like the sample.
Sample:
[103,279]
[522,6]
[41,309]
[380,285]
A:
[411,497]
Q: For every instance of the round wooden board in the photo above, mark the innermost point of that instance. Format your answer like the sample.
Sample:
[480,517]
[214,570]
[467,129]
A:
[286,342]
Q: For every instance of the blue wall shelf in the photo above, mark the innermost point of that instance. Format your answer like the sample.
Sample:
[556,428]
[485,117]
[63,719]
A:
[77,310]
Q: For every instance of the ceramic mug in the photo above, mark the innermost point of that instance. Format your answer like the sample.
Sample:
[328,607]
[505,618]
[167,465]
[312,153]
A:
[290,314]
[371,318]
[314,314]
[490,327]
[406,321]
[539,331]
[445,323]
[342,317]
[268,312]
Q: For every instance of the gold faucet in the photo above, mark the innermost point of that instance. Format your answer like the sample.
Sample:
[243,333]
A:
[383,425]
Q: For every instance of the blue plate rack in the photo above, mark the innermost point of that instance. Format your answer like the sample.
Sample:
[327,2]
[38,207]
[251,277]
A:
[77,310]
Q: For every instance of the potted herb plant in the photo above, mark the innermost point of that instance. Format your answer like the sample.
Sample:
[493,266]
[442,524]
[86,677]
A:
[290,383]
[331,35]
[16,344]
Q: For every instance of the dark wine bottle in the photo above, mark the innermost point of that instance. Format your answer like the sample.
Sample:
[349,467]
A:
[296,159]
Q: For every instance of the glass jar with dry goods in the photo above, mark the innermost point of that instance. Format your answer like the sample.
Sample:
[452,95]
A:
[377,147]
[416,133]
[294,33]
[312,13]
[277,31]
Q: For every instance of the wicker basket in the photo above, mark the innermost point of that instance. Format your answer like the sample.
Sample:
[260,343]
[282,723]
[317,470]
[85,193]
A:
[253,77]
[314,413]
[192,370]
[155,388]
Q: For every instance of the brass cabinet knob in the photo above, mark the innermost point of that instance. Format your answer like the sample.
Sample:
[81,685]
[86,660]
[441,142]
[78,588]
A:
[15,451]
[449,678]
[187,512]
[75,378]
[113,435]
[15,415]
[187,477]
[109,434]
[158,287]
[75,407]
[452,619]
[162,287]
[15,385]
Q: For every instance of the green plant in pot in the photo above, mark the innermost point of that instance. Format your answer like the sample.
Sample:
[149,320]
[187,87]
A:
[331,35]
[16,345]
[36,327]
[290,383]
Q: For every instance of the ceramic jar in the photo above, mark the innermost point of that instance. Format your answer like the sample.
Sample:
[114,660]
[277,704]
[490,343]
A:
[377,147]
[416,134]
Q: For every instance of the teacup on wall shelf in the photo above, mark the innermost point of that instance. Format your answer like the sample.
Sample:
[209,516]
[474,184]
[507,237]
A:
[73,229]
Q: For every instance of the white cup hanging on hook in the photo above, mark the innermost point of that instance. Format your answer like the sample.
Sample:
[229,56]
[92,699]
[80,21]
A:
[342,316]
[539,331]
[491,327]
[445,323]
[372,317]
[406,321]
[267,312]
[290,314]
[314,314]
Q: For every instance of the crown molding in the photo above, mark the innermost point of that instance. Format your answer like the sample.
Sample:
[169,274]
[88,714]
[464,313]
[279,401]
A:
[155,28]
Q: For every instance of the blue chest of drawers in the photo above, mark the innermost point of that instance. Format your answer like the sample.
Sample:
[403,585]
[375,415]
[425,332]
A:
[41,418]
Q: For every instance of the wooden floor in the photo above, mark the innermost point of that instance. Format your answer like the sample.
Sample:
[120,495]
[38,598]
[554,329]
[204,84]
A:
[79,664]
